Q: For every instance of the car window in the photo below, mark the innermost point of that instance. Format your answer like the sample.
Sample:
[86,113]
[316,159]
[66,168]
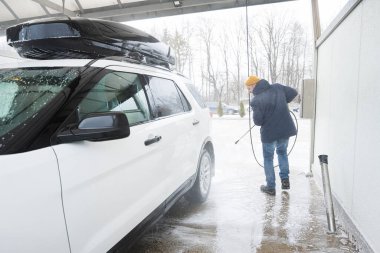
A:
[166,96]
[185,103]
[196,95]
[25,92]
[117,91]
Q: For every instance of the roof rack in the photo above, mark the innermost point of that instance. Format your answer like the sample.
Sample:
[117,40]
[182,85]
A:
[143,62]
[58,38]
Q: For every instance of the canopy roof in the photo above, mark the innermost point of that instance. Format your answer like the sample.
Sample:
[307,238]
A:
[15,11]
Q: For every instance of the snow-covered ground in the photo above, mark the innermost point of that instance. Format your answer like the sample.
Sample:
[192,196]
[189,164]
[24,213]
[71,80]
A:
[239,218]
[231,127]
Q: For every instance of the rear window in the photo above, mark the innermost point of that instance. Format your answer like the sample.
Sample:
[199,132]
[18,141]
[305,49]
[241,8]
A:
[193,90]
[168,99]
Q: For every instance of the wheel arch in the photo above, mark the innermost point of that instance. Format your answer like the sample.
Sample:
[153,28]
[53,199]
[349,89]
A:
[207,145]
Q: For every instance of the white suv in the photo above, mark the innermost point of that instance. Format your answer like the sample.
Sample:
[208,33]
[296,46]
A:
[92,152]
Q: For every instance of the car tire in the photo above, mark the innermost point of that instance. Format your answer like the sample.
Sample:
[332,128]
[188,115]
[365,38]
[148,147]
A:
[201,188]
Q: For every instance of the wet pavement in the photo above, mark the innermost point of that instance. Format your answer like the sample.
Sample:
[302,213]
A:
[237,217]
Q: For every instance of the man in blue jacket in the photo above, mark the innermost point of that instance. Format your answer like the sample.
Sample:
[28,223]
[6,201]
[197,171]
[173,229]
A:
[270,111]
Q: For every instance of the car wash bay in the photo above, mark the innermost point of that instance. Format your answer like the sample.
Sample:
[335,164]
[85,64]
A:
[237,217]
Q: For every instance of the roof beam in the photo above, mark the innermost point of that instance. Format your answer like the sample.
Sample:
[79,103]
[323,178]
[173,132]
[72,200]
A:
[79,6]
[10,9]
[188,7]
[56,7]
[120,4]
[145,7]
[142,9]
[45,9]
[4,25]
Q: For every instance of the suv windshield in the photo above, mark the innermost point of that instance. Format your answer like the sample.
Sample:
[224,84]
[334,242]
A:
[24,92]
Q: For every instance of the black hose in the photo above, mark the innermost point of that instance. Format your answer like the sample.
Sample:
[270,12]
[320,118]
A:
[250,133]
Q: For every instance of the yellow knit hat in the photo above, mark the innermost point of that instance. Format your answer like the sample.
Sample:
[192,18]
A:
[252,80]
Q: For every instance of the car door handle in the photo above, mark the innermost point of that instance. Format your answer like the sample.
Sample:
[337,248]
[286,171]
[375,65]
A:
[152,140]
[195,122]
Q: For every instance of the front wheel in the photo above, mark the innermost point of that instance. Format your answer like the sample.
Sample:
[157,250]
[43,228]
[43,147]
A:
[201,188]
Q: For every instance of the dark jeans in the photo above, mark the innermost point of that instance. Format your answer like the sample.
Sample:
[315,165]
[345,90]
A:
[281,146]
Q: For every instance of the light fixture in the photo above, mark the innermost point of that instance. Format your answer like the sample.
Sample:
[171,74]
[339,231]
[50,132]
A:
[177,3]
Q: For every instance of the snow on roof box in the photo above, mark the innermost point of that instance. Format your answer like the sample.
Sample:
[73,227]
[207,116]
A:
[56,38]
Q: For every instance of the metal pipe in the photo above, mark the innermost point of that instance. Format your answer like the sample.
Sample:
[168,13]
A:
[244,134]
[327,193]
[317,34]
[316,20]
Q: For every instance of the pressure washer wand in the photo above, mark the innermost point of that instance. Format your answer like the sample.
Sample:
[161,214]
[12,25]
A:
[236,142]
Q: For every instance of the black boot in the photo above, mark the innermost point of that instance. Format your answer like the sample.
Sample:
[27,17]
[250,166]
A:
[285,185]
[267,190]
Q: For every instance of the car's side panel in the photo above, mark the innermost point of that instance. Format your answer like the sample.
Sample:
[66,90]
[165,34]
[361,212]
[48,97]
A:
[190,133]
[201,130]
[178,144]
[109,187]
[136,233]
[32,218]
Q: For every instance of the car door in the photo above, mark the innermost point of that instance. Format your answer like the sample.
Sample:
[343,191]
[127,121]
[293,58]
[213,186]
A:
[177,128]
[201,115]
[109,187]
[31,212]
[32,218]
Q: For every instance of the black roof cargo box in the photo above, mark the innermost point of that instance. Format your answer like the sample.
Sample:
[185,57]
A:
[56,38]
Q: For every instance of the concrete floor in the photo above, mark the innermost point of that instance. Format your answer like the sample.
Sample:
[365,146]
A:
[237,217]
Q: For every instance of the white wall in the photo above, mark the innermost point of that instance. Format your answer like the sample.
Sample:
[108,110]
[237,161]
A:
[348,116]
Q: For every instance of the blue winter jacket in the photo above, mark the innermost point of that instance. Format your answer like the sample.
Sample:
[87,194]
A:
[270,110]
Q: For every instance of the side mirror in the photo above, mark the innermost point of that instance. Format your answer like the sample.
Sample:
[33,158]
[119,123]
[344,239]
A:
[97,127]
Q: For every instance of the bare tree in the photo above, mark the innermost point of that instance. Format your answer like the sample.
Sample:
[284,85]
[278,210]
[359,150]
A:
[278,51]
[181,47]
[272,34]
[225,49]
[294,51]
[238,52]
[253,53]
[206,35]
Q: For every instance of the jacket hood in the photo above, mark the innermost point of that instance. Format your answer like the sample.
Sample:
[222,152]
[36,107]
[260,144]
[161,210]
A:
[261,86]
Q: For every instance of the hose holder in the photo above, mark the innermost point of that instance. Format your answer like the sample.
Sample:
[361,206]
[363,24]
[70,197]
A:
[323,159]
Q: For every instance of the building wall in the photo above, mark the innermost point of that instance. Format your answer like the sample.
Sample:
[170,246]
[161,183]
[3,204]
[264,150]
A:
[348,116]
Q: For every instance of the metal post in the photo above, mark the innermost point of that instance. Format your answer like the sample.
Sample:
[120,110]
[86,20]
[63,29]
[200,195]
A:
[327,193]
[317,34]
[316,20]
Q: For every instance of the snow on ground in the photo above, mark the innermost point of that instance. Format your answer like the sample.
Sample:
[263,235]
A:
[237,217]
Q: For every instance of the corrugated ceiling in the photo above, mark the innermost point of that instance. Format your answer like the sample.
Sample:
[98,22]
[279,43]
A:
[16,11]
